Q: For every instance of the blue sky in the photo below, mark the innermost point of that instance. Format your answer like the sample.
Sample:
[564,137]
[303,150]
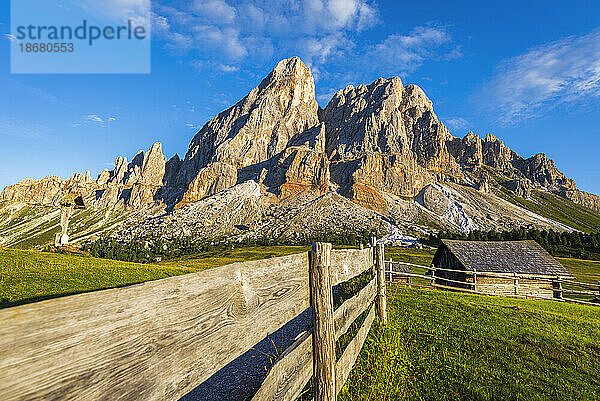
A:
[528,72]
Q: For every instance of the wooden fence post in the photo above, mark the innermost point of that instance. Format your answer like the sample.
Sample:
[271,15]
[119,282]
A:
[557,287]
[598,290]
[432,269]
[321,300]
[381,289]
[516,283]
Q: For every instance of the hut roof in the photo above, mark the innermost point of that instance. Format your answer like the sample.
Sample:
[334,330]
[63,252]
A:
[522,257]
[399,267]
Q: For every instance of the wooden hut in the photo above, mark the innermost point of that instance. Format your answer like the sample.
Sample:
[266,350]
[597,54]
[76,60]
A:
[397,272]
[521,268]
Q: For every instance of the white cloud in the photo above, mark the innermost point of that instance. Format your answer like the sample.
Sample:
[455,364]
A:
[217,11]
[225,40]
[403,54]
[193,126]
[93,120]
[119,11]
[10,37]
[228,68]
[223,33]
[456,123]
[342,10]
[556,73]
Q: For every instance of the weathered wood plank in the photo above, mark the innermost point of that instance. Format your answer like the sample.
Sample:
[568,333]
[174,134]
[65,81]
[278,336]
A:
[155,341]
[346,264]
[294,367]
[290,373]
[346,362]
[347,313]
[321,301]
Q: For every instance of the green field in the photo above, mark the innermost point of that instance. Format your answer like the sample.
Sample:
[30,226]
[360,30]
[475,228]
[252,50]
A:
[445,346]
[217,258]
[29,276]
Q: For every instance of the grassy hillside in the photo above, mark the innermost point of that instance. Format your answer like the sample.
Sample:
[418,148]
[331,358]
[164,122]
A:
[587,271]
[29,276]
[217,258]
[27,226]
[447,346]
[556,208]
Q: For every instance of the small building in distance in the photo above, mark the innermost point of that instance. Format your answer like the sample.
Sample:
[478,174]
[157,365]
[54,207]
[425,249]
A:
[520,268]
[397,272]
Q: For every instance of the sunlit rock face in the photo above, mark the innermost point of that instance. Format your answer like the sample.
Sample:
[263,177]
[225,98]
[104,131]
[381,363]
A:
[386,136]
[258,127]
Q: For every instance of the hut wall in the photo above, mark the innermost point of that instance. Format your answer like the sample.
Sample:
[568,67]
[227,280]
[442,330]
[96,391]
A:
[506,287]
[447,260]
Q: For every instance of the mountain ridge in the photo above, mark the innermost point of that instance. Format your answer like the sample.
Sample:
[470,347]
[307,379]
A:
[380,146]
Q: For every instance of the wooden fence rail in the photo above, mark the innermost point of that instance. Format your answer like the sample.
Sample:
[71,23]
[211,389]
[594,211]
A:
[518,287]
[160,340]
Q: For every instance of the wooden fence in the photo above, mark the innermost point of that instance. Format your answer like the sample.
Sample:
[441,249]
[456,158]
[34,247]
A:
[514,285]
[161,339]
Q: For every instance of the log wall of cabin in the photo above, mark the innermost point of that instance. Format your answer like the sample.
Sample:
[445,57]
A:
[506,286]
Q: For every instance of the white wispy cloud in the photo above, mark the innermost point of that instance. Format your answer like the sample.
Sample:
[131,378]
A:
[561,72]
[408,52]
[193,126]
[396,55]
[10,37]
[93,120]
[119,11]
[455,123]
[228,32]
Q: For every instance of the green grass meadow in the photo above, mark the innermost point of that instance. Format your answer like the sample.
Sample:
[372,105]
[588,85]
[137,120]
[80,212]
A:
[442,345]
[29,276]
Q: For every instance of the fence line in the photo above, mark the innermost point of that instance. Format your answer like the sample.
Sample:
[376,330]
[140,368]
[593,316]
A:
[161,339]
[399,269]
[294,368]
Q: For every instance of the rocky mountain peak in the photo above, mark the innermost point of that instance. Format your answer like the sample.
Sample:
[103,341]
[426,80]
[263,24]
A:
[385,136]
[370,148]
[255,130]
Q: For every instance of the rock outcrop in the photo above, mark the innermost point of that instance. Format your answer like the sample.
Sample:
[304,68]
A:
[543,172]
[385,136]
[519,186]
[210,180]
[472,151]
[45,191]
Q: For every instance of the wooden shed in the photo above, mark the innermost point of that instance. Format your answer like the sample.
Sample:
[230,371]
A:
[499,267]
[397,272]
